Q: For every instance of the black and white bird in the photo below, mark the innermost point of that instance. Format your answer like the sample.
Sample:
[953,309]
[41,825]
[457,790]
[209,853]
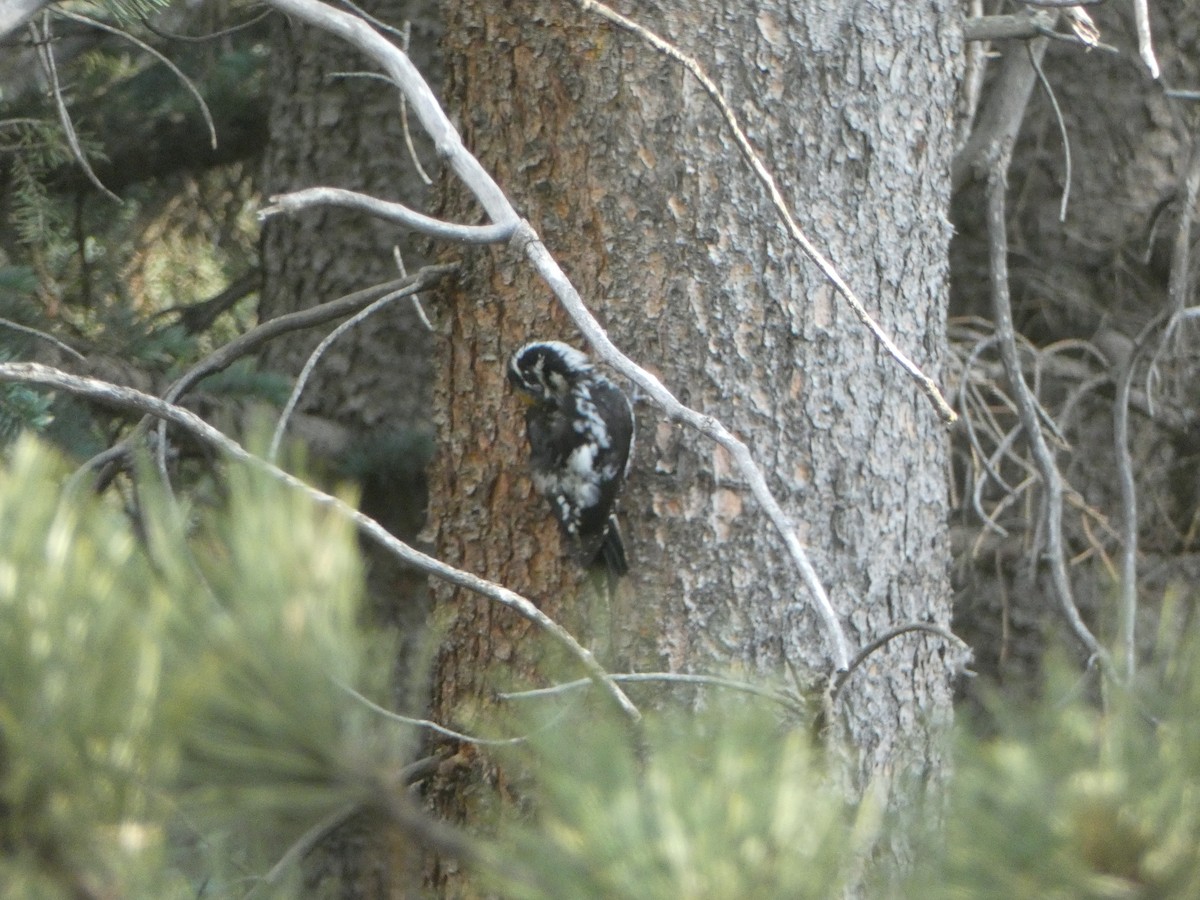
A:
[580,429]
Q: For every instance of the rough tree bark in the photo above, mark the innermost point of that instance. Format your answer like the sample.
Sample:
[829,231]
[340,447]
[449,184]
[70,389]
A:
[624,166]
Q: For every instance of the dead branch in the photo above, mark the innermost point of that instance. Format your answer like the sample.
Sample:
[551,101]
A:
[1178,288]
[244,344]
[247,343]
[41,38]
[888,636]
[1020,26]
[744,687]
[1028,408]
[187,83]
[298,201]
[1001,118]
[1141,16]
[314,358]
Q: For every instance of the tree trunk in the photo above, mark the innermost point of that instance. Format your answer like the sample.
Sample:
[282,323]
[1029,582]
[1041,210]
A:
[625,167]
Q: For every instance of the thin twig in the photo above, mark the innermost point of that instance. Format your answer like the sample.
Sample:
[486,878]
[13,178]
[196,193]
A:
[1129,512]
[405,38]
[926,384]
[378,23]
[1141,16]
[128,398]
[46,55]
[299,848]
[256,337]
[1062,130]
[25,329]
[1178,285]
[203,38]
[315,357]
[175,70]
[434,726]
[890,635]
[416,298]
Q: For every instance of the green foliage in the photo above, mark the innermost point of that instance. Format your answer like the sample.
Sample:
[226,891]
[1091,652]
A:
[166,697]
[83,631]
[173,717]
[722,804]
[34,148]
[1068,800]
[22,408]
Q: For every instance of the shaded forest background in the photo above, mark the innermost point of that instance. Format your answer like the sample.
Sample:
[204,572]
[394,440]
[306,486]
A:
[141,289]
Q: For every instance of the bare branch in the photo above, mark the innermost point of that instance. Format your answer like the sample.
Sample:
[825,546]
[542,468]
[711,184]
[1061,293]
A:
[1027,405]
[246,343]
[128,398]
[496,204]
[405,37]
[175,70]
[1141,16]
[447,142]
[1010,27]
[1001,118]
[890,635]
[311,317]
[926,384]
[434,726]
[46,56]
[203,38]
[315,357]
[1129,514]
[1179,284]
[1026,26]
[392,212]
[25,329]
[300,847]
[1062,130]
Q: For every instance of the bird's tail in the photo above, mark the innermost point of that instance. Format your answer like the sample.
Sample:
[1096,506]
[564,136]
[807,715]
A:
[612,551]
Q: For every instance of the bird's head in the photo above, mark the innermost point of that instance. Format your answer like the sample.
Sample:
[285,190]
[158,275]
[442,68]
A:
[543,371]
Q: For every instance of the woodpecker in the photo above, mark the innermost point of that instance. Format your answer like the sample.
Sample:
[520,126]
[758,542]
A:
[580,430]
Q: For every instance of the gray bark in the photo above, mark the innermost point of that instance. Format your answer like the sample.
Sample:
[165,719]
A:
[345,132]
[851,107]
